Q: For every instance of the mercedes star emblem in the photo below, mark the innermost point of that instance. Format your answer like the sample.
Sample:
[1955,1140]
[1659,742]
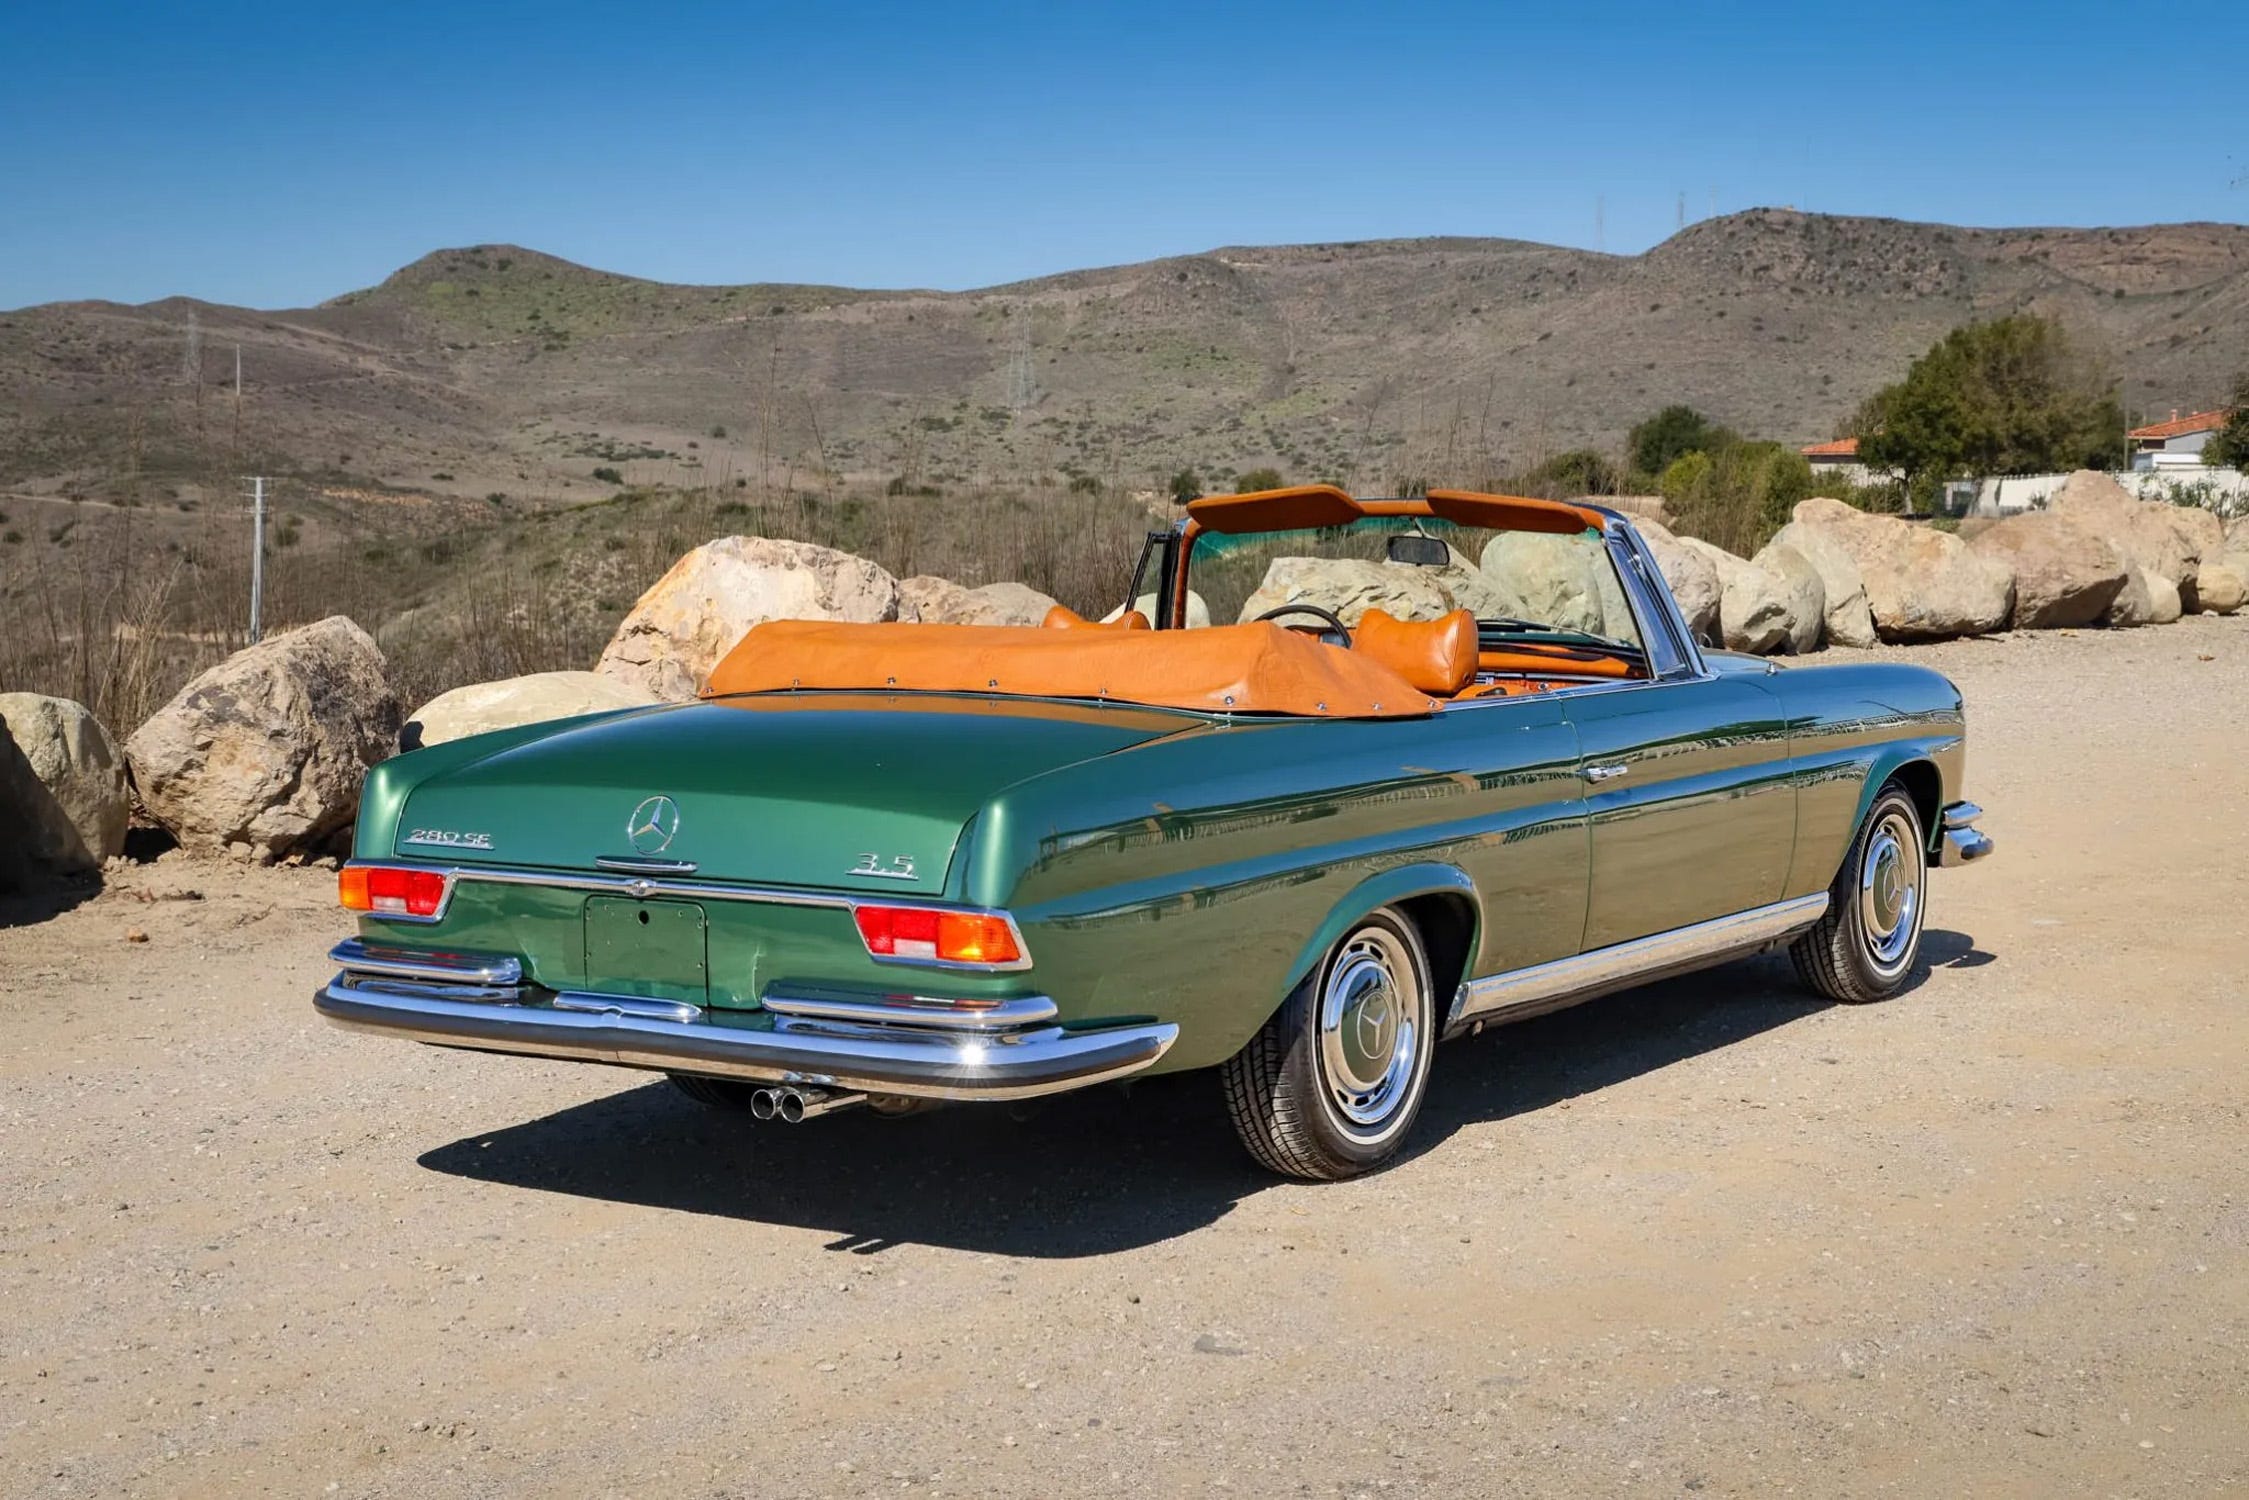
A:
[653,825]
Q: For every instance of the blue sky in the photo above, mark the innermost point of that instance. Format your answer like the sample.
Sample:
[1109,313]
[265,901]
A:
[278,155]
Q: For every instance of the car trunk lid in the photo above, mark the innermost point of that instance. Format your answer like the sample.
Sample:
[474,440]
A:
[855,792]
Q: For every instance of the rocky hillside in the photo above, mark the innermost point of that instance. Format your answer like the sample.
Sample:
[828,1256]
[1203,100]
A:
[497,370]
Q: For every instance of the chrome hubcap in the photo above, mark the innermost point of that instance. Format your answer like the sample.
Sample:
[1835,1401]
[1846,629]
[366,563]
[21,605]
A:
[1890,890]
[1372,1014]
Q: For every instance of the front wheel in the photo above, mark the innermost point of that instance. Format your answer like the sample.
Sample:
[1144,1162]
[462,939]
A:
[1864,948]
[1330,1085]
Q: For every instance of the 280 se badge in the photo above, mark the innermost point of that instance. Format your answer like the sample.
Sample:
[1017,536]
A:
[446,838]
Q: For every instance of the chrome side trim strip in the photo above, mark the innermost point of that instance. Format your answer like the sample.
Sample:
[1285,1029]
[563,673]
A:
[437,967]
[930,1011]
[1565,981]
[916,1062]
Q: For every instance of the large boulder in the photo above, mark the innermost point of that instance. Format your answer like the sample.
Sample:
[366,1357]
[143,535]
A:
[1693,579]
[2153,534]
[2065,575]
[2204,535]
[1847,619]
[1922,584]
[1753,608]
[940,601]
[2220,588]
[2133,604]
[2164,603]
[482,707]
[66,747]
[38,843]
[710,598]
[1556,580]
[1806,594]
[263,754]
[1348,588]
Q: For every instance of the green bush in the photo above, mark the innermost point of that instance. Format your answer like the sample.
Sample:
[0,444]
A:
[1739,496]
[1259,479]
[1185,485]
[608,476]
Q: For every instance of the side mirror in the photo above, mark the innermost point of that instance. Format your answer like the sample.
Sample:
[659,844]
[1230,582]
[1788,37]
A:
[1418,551]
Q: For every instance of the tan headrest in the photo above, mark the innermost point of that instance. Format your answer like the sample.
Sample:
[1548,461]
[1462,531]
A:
[1437,656]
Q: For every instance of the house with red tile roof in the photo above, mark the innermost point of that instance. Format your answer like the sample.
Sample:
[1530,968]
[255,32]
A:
[2179,441]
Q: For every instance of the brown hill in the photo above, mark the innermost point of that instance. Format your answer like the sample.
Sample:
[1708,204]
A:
[498,370]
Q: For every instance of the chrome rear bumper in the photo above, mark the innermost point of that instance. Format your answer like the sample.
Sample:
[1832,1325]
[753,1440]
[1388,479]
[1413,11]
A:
[1962,843]
[474,1001]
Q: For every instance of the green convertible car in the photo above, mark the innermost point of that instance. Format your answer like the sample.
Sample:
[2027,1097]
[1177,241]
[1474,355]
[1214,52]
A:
[1460,762]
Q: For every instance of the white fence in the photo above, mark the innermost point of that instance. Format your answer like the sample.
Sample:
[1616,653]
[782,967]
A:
[2225,491]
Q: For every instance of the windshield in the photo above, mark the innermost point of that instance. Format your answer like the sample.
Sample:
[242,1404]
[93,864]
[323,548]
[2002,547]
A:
[1516,583]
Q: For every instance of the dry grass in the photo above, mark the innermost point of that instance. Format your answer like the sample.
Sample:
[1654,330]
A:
[120,615]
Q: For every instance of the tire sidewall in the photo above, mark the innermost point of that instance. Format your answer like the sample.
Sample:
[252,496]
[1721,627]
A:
[1859,952]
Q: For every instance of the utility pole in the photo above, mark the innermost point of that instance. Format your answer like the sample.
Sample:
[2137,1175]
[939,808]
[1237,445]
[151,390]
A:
[257,557]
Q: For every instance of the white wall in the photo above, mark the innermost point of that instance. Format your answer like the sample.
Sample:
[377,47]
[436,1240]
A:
[2227,489]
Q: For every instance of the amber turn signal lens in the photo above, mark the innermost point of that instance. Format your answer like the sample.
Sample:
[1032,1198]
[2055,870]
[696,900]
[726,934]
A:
[954,937]
[387,892]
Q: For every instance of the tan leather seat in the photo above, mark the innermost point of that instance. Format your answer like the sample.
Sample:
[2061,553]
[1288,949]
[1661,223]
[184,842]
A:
[1437,656]
[1062,617]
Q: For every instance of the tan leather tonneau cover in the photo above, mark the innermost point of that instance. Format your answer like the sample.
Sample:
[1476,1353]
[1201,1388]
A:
[1256,668]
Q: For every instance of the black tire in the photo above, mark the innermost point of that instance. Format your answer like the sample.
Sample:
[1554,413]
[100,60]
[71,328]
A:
[1330,1100]
[1864,949]
[718,1093]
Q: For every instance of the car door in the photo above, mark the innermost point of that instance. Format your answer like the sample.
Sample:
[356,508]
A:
[1690,801]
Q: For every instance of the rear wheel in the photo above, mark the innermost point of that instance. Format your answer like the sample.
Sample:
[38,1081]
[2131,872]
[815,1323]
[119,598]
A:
[1864,948]
[1330,1086]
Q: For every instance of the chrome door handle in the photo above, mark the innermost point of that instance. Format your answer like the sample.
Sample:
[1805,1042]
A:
[1603,773]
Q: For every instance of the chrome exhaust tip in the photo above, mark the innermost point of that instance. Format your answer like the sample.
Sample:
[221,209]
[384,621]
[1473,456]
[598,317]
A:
[765,1104]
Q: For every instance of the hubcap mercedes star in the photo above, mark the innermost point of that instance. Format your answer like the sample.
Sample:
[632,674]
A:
[1371,1020]
[1890,890]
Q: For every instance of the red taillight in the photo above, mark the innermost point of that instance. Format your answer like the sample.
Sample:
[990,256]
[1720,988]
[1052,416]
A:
[954,937]
[389,892]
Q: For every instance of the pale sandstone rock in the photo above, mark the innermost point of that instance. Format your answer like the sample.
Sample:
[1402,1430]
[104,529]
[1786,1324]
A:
[75,761]
[482,707]
[263,755]
[2065,575]
[1847,619]
[1921,583]
[706,603]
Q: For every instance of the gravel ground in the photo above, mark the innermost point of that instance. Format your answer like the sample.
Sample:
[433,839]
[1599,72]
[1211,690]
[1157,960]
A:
[1710,1236]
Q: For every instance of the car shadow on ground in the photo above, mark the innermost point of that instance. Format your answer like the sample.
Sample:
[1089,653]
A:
[1086,1174]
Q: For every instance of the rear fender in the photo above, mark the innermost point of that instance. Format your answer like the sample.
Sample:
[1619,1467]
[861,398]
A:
[1387,889]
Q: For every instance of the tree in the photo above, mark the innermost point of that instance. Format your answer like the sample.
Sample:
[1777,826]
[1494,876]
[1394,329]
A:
[1671,434]
[2229,446]
[2012,396]
[1186,485]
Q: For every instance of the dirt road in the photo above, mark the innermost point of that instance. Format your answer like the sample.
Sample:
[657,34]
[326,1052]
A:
[1989,1238]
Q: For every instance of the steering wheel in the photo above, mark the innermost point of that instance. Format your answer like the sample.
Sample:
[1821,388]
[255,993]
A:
[1328,617]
